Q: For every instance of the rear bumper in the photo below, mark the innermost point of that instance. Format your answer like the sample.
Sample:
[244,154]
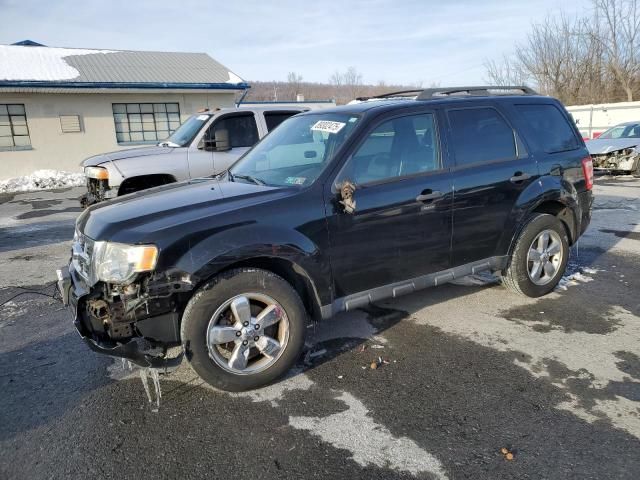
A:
[585,202]
[138,350]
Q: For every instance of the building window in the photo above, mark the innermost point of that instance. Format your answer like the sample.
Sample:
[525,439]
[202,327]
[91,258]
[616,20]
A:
[145,122]
[14,132]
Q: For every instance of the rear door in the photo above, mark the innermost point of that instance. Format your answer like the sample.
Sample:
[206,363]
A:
[492,168]
[400,225]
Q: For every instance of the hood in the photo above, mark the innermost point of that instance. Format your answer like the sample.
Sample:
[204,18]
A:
[121,154]
[606,145]
[144,216]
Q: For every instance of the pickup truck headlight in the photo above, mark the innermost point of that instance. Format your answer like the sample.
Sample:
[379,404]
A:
[100,173]
[119,263]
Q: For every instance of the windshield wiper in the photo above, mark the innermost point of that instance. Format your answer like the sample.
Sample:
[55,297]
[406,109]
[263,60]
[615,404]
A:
[251,179]
[168,144]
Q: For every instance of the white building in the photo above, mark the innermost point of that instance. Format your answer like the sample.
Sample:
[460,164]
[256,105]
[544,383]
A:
[61,105]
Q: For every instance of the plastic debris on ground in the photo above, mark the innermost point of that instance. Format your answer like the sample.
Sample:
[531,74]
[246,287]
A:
[42,180]
[576,278]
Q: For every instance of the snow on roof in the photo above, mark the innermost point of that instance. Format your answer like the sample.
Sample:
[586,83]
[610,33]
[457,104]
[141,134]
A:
[39,63]
[71,66]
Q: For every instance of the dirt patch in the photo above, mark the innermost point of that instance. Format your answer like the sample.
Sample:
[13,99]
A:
[44,213]
[629,363]
[622,233]
[550,313]
[39,204]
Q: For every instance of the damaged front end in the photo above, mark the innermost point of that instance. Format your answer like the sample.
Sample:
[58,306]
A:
[98,188]
[136,319]
[623,160]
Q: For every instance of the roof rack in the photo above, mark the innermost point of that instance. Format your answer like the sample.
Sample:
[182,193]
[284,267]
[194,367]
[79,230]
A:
[481,91]
[401,93]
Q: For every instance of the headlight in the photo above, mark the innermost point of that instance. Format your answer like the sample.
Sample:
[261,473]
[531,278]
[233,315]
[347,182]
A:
[118,263]
[100,173]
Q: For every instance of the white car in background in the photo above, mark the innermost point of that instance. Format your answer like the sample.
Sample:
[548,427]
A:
[617,149]
[205,144]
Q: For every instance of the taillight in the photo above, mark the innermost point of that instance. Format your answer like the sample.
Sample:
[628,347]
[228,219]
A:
[587,170]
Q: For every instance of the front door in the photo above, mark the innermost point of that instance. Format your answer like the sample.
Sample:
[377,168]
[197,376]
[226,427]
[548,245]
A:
[242,133]
[399,224]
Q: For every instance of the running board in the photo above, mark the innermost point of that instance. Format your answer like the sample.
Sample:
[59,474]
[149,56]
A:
[393,290]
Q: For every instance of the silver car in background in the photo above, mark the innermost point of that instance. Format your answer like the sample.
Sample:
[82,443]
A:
[617,149]
[205,144]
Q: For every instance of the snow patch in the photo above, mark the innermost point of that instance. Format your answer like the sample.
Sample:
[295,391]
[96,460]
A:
[369,442]
[42,180]
[40,63]
[233,78]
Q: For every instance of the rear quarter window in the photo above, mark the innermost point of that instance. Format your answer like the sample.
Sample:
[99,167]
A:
[551,128]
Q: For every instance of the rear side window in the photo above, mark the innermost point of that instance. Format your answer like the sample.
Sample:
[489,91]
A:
[481,135]
[243,131]
[551,127]
[273,119]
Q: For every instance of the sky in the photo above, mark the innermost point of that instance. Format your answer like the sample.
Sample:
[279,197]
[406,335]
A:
[399,42]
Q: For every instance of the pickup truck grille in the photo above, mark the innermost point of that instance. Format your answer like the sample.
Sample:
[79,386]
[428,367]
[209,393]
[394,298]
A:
[81,252]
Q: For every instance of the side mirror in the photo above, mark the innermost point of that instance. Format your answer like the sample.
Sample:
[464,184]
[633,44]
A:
[221,141]
[345,195]
[218,144]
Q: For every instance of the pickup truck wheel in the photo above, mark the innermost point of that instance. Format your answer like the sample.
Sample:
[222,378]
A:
[244,329]
[539,258]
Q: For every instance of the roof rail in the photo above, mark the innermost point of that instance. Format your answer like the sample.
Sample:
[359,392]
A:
[482,91]
[401,93]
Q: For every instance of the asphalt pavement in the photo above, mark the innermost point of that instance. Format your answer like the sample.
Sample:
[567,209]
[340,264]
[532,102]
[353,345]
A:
[474,381]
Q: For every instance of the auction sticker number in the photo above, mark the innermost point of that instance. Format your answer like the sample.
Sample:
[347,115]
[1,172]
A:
[327,126]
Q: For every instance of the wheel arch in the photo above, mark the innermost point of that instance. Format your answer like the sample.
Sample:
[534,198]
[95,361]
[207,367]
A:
[286,268]
[141,182]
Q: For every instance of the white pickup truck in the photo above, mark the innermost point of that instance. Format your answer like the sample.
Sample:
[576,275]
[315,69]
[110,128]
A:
[205,144]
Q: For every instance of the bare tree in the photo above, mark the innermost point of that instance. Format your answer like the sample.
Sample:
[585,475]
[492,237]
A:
[580,60]
[617,32]
[352,82]
[505,71]
[295,84]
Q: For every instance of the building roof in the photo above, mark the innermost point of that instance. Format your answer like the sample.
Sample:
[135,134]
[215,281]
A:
[52,67]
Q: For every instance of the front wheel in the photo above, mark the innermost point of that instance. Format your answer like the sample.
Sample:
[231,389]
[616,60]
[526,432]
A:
[244,329]
[539,257]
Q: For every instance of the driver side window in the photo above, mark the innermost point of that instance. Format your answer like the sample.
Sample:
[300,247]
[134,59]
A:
[396,148]
[242,130]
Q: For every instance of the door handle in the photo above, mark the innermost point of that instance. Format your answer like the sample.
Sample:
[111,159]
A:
[428,195]
[519,177]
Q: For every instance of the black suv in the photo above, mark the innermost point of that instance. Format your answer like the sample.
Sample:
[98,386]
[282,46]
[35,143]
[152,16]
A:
[331,211]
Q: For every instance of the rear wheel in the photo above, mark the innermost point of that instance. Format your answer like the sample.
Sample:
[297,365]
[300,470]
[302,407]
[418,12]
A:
[243,330]
[539,257]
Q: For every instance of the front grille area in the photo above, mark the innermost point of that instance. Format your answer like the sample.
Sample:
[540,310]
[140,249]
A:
[81,252]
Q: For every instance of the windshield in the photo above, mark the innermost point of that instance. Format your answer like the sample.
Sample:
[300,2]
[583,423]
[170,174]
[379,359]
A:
[296,152]
[622,131]
[185,132]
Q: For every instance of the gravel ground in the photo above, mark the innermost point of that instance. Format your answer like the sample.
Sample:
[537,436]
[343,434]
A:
[472,369]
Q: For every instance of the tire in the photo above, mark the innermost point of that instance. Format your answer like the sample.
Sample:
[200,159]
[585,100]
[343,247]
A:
[519,275]
[214,362]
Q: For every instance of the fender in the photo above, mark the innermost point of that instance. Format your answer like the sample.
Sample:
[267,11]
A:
[548,189]
[243,243]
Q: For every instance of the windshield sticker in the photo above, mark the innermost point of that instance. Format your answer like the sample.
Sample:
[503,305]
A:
[327,126]
[295,180]
[203,117]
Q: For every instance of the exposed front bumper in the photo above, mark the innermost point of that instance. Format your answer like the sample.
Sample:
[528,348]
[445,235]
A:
[138,350]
